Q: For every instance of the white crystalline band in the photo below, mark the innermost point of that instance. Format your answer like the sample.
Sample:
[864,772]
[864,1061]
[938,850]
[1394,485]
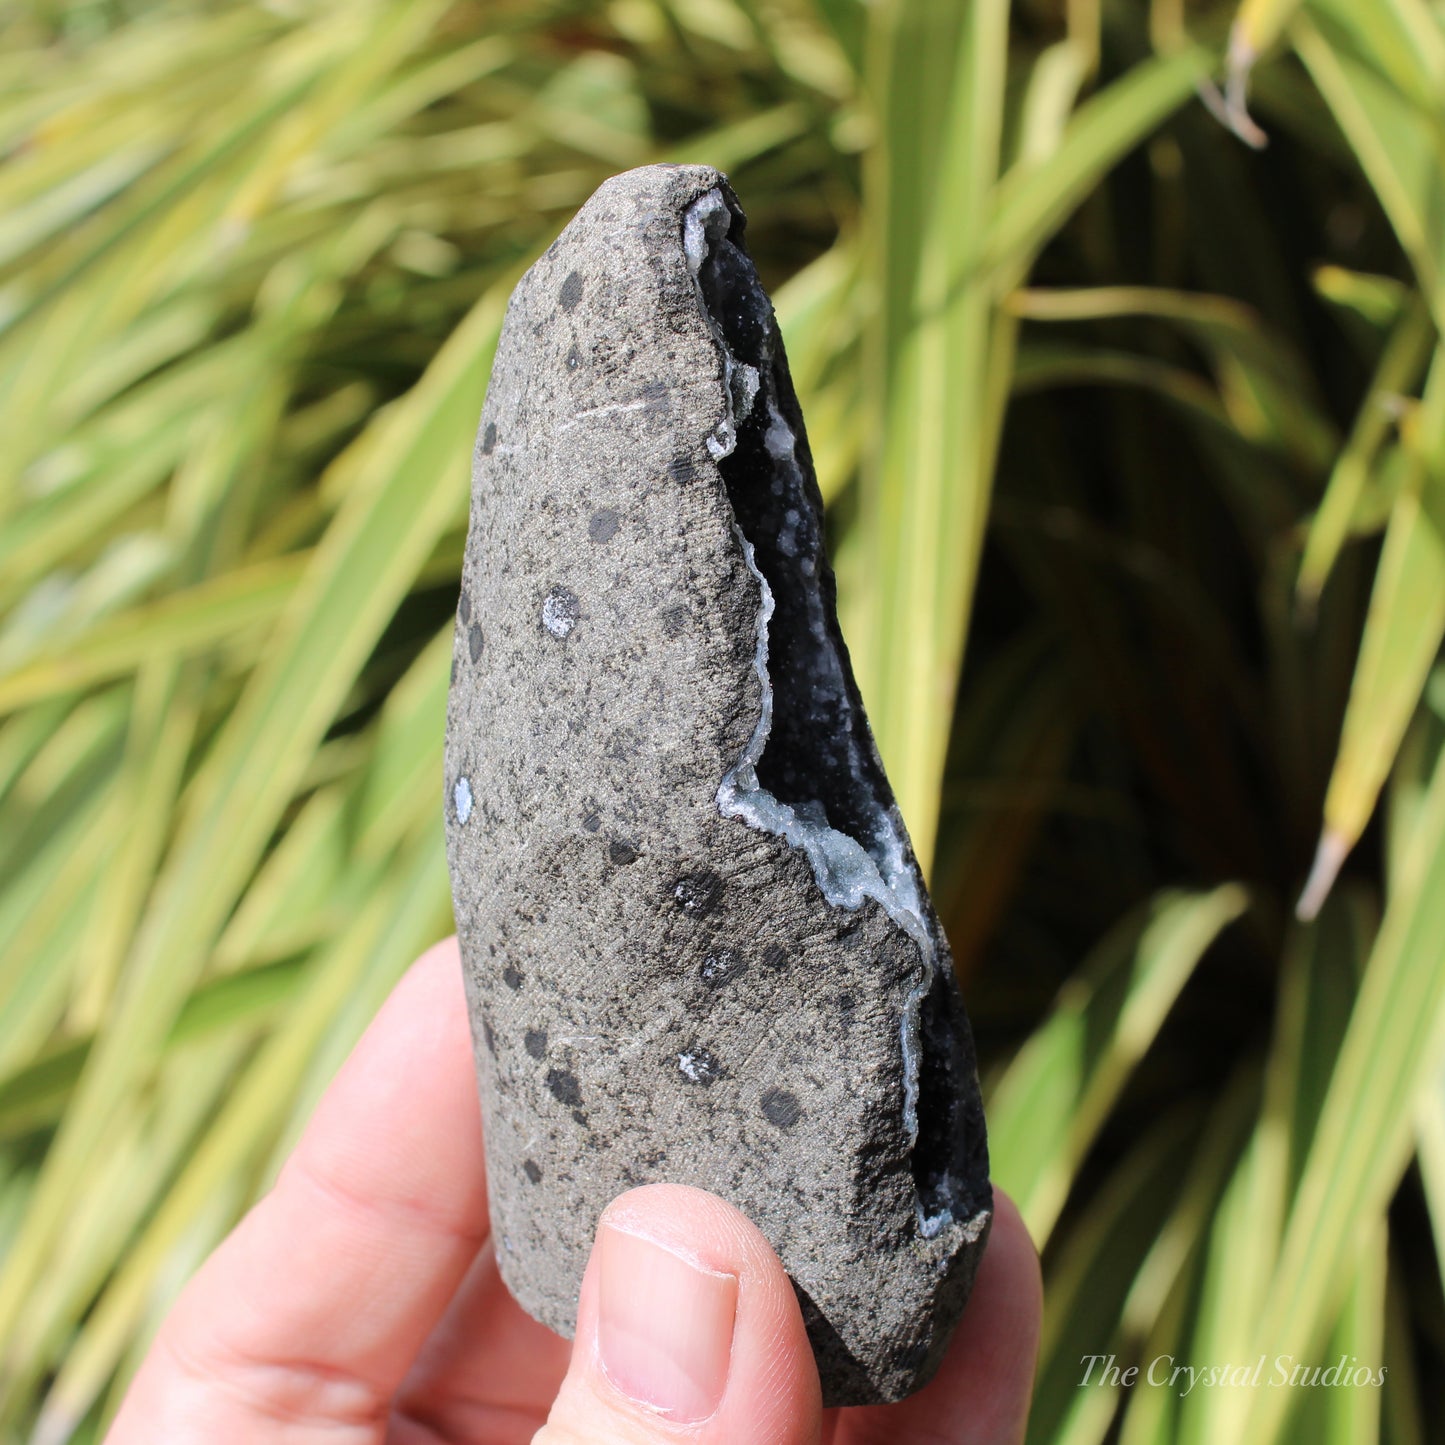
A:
[845,870]
[705,223]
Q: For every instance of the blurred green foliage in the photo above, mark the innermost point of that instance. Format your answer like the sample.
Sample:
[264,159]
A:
[1154,418]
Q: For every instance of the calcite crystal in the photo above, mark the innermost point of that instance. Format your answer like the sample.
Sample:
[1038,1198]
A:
[697,945]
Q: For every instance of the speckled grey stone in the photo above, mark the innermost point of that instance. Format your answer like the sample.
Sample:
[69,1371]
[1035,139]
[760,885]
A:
[677,969]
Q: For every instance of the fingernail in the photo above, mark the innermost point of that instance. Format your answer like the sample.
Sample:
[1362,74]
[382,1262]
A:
[664,1326]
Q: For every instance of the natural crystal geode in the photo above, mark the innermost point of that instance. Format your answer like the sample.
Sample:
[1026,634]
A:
[697,946]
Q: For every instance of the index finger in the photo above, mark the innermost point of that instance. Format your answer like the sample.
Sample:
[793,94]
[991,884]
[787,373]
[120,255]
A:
[306,1319]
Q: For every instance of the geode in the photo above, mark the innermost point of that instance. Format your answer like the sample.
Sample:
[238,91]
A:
[697,945]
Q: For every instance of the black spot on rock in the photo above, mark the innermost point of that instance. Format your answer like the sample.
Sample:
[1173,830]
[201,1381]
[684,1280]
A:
[656,396]
[489,438]
[474,642]
[490,1037]
[571,292]
[621,852]
[574,357]
[511,977]
[603,526]
[698,893]
[564,1086]
[532,1170]
[775,957]
[674,619]
[781,1108]
[592,819]
[464,609]
[535,1042]
[454,670]
[682,468]
[578,1117]
[722,967]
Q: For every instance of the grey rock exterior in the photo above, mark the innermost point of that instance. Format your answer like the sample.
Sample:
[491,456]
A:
[696,944]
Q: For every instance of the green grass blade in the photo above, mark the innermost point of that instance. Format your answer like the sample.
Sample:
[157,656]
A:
[1397,146]
[189,620]
[1033,201]
[413,476]
[1088,1282]
[397,920]
[1351,1415]
[1398,373]
[1160,1317]
[1403,631]
[926,486]
[1264,386]
[948,351]
[1390,1054]
[1318,988]
[1047,1107]
[36,1095]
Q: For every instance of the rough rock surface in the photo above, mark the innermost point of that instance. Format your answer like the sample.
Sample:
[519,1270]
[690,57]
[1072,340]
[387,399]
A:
[696,943]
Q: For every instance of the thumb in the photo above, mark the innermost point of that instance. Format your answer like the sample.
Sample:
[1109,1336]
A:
[688,1329]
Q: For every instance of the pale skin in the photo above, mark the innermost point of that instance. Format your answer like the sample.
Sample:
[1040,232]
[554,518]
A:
[359,1302]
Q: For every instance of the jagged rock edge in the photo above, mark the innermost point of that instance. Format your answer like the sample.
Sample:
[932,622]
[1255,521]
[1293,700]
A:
[846,872]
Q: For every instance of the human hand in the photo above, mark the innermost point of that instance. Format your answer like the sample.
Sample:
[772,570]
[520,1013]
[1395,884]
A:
[359,1302]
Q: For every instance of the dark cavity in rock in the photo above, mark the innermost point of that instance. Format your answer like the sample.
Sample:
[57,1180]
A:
[817,777]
